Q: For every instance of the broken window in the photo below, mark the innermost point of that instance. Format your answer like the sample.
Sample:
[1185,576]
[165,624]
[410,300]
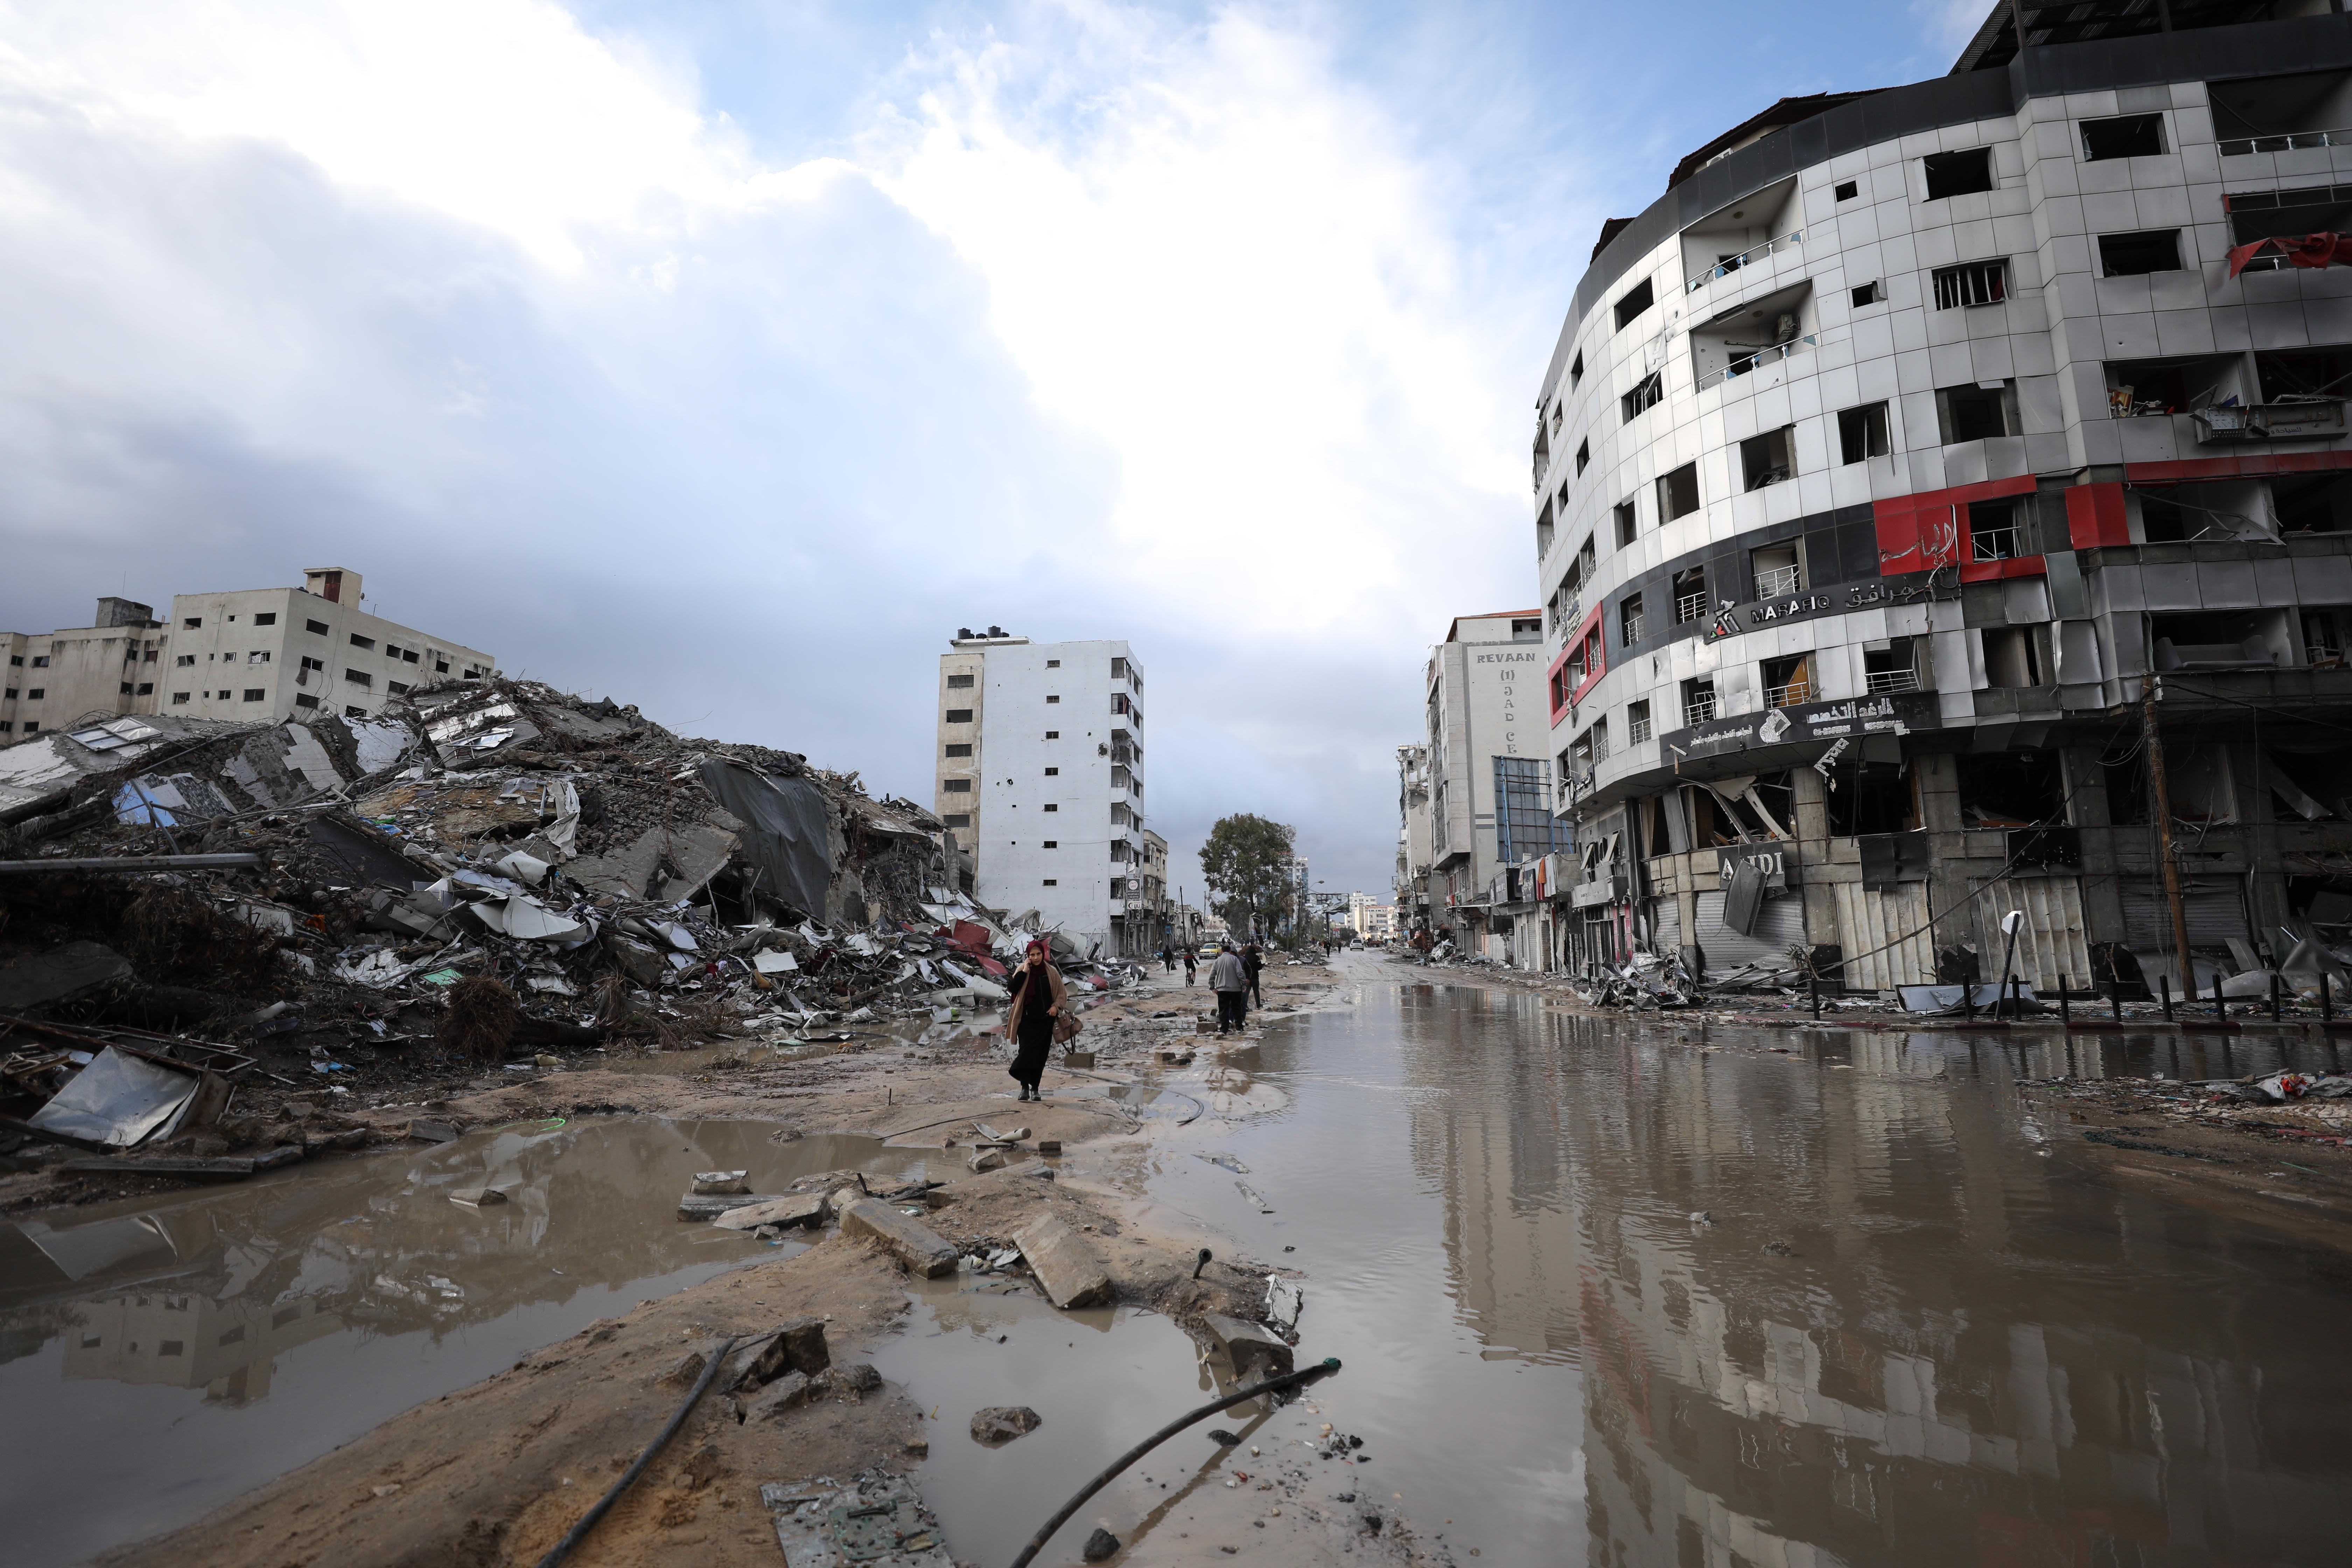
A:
[1869,294]
[1629,620]
[2312,503]
[1698,700]
[1635,301]
[1583,454]
[2125,136]
[359,641]
[1873,797]
[1690,595]
[1767,459]
[1977,412]
[959,716]
[192,622]
[2130,255]
[2219,639]
[1789,680]
[353,711]
[2323,639]
[38,692]
[126,689]
[258,656]
[359,677]
[1779,569]
[1970,283]
[180,697]
[1626,524]
[1891,665]
[1637,723]
[2020,788]
[2013,657]
[440,666]
[1576,369]
[1997,529]
[318,664]
[1647,392]
[1678,492]
[958,820]
[40,662]
[2304,372]
[185,660]
[1957,174]
[960,749]
[266,618]
[1846,190]
[317,628]
[1862,433]
[397,688]
[2308,788]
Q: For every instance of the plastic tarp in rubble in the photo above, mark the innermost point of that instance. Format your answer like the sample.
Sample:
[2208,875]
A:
[785,830]
[116,1100]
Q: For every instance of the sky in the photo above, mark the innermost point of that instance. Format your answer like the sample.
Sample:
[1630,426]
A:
[726,358]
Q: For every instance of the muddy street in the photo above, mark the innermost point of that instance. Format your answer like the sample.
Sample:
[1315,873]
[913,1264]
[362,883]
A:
[1603,1291]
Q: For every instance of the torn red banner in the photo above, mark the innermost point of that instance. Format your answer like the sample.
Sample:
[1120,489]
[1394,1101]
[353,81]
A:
[2300,250]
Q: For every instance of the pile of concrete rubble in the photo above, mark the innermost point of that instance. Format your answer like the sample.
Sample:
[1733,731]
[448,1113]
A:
[189,891]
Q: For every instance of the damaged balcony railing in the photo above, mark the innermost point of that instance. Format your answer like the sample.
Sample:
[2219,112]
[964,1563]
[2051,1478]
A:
[2291,418]
[1779,583]
[1690,607]
[2286,142]
[1794,694]
[1747,257]
[1700,709]
[1756,359]
[1884,680]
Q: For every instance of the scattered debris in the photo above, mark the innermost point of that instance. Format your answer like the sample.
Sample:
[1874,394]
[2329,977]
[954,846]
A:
[1000,1424]
[877,1519]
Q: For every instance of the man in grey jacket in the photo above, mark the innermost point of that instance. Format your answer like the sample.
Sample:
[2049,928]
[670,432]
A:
[1229,978]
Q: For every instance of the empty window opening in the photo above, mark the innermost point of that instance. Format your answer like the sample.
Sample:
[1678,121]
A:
[256,693]
[1690,595]
[266,618]
[180,697]
[1051,844]
[317,628]
[1957,174]
[1977,412]
[960,749]
[2221,639]
[359,641]
[1627,525]
[1891,665]
[2147,387]
[1970,283]
[1862,433]
[2125,136]
[2021,788]
[2318,503]
[1846,190]
[1767,459]
[1052,773]
[1629,625]
[258,656]
[1678,492]
[192,622]
[1583,454]
[1576,369]
[2012,656]
[1052,808]
[1789,680]
[359,677]
[1874,797]
[185,660]
[1872,293]
[2131,255]
[1647,392]
[1053,734]
[1780,570]
[1698,700]
[1053,698]
[1635,301]
[2305,373]
[1996,531]
[1053,664]
[1637,723]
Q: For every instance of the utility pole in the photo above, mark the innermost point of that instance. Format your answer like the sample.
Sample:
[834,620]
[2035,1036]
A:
[2162,790]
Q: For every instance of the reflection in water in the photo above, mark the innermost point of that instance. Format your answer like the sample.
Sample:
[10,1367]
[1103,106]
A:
[1916,1324]
[339,1296]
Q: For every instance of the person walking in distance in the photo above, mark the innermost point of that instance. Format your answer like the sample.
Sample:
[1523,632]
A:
[1168,958]
[1229,978]
[1037,1001]
[1191,962]
[1253,963]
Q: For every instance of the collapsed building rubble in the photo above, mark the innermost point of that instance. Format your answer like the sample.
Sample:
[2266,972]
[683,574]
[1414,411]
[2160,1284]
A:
[491,869]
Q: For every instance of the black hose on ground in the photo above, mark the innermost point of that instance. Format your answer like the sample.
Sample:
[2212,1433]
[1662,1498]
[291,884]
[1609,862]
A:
[1323,1368]
[579,1532]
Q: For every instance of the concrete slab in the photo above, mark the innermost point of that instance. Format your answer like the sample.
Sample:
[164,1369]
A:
[916,1245]
[1064,1263]
[804,1209]
[711,1206]
[1246,1343]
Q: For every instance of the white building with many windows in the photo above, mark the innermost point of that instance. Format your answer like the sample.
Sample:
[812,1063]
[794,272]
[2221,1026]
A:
[1888,457]
[1040,774]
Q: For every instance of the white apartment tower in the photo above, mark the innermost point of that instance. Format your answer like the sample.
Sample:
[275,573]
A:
[1041,776]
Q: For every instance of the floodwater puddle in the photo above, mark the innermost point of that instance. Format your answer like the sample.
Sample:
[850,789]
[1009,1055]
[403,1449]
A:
[157,1358]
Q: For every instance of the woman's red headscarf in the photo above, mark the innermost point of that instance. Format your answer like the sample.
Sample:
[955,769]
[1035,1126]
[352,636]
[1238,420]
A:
[1039,950]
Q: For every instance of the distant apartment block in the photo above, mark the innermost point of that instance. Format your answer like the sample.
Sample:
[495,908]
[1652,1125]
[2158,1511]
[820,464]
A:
[1041,776]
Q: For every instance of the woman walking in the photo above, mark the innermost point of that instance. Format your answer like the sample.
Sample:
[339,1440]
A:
[1037,1002]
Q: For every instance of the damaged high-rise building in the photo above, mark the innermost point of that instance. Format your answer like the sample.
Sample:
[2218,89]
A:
[1895,452]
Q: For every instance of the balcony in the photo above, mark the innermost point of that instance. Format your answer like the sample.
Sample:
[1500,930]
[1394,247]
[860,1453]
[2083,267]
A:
[1780,583]
[1747,257]
[1690,607]
[1635,626]
[2298,419]
[2289,142]
[1638,731]
[1699,710]
[1880,682]
[1794,694]
[1755,358]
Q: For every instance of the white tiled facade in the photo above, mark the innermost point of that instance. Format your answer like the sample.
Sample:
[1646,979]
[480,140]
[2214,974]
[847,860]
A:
[2078,582]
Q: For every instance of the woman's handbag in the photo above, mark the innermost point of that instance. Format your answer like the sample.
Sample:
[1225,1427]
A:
[1067,1026]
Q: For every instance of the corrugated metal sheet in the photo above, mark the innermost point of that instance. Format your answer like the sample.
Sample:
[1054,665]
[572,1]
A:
[2050,945]
[1868,922]
[2216,910]
[1665,924]
[1780,926]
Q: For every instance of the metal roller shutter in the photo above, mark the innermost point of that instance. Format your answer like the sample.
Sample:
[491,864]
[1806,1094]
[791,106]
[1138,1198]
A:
[2050,945]
[1665,925]
[2216,912]
[1884,936]
[1780,926]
